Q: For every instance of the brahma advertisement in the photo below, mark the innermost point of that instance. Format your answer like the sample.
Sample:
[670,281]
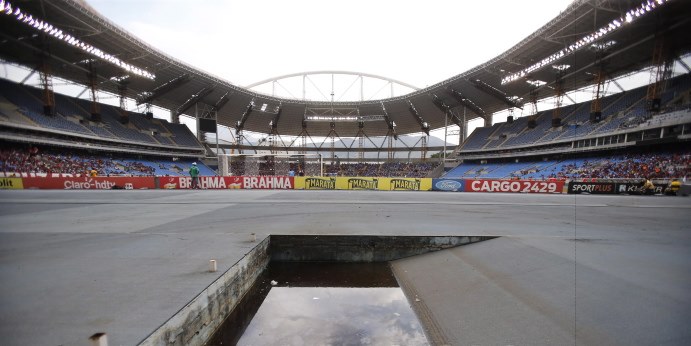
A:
[211,182]
[516,186]
[239,182]
[89,183]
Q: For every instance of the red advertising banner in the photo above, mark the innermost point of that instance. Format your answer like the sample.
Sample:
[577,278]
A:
[211,182]
[240,182]
[89,183]
[524,186]
[268,182]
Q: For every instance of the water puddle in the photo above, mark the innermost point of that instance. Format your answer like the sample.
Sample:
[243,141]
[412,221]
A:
[296,303]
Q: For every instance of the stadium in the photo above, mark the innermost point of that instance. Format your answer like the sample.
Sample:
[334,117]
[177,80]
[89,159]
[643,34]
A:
[535,199]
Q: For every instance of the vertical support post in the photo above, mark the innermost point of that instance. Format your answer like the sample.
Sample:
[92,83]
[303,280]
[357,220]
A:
[390,153]
[99,339]
[217,132]
[196,116]
[558,99]
[95,106]
[362,88]
[446,125]
[423,149]
[122,93]
[47,86]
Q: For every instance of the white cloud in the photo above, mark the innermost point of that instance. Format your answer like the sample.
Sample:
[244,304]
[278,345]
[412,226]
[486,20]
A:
[417,42]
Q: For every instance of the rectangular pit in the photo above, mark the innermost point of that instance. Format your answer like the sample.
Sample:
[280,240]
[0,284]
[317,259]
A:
[197,321]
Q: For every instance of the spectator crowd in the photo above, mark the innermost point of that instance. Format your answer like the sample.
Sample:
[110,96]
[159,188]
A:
[387,169]
[630,166]
[33,160]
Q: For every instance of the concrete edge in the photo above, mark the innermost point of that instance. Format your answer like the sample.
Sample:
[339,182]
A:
[196,322]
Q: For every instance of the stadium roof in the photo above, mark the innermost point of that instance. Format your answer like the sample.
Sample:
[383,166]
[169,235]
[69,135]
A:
[176,84]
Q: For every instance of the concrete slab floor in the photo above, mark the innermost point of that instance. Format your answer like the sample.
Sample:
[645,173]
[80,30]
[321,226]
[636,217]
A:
[73,263]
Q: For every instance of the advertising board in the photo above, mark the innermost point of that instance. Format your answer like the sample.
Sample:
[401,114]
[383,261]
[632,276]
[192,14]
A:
[89,183]
[516,186]
[315,183]
[238,182]
[454,185]
[577,187]
[11,183]
[405,184]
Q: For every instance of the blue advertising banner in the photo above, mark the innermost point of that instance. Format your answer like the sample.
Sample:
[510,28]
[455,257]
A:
[454,185]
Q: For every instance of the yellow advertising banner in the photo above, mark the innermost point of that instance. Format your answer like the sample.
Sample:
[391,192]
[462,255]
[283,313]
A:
[357,183]
[11,183]
[405,184]
[363,183]
[315,183]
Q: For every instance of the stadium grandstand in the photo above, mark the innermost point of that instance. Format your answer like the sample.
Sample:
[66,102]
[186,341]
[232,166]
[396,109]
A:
[596,101]
[627,120]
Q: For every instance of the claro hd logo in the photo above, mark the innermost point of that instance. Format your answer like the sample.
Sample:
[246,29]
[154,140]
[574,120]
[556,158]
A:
[88,183]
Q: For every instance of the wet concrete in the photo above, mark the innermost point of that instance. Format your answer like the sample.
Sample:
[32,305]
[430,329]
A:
[299,303]
[358,262]
[123,262]
[360,248]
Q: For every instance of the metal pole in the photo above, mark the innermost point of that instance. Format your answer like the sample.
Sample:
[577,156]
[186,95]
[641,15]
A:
[362,88]
[196,116]
[446,125]
[217,130]
[321,166]
[464,133]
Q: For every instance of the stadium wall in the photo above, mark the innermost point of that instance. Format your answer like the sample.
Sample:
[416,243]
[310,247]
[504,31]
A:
[577,186]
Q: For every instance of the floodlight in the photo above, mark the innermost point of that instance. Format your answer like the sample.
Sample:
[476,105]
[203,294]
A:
[630,16]
[41,25]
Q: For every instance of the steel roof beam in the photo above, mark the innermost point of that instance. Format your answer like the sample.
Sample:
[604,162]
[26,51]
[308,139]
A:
[467,103]
[164,88]
[221,102]
[424,126]
[246,114]
[446,109]
[193,100]
[390,123]
[496,93]
[274,121]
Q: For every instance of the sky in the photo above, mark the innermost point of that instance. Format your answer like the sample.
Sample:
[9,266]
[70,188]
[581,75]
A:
[417,42]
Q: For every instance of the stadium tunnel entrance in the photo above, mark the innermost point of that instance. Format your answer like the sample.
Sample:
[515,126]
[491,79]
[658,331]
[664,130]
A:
[281,270]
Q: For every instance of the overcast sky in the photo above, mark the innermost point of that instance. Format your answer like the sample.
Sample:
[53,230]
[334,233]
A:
[417,42]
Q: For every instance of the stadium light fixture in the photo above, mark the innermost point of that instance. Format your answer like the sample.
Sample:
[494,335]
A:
[631,15]
[536,83]
[40,25]
[343,119]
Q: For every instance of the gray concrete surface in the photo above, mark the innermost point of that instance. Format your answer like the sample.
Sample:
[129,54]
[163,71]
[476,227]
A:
[73,263]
